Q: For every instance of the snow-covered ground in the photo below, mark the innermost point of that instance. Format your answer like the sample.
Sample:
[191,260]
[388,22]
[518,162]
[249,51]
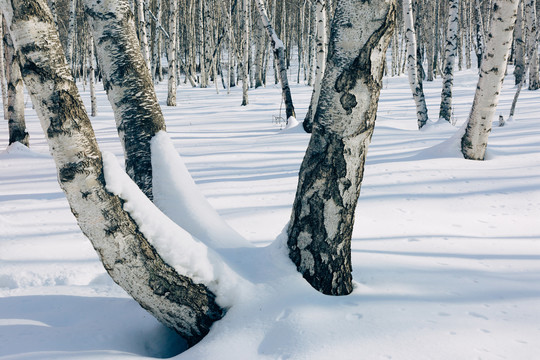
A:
[446,252]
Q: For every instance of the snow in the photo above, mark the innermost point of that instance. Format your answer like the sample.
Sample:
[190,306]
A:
[446,251]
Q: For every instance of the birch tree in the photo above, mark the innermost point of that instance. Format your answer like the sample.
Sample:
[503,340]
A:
[137,113]
[519,46]
[320,229]
[445,111]
[321,48]
[171,53]
[486,98]
[532,43]
[280,60]
[415,81]
[15,93]
[173,298]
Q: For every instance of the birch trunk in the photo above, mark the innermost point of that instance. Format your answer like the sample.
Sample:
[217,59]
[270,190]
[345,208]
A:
[245,52]
[519,47]
[279,58]
[143,35]
[320,229]
[532,43]
[445,112]
[173,298]
[92,76]
[15,93]
[320,60]
[171,53]
[415,81]
[474,142]
[480,41]
[3,31]
[71,32]
[128,84]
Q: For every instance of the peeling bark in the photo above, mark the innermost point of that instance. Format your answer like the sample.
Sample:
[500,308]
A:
[320,229]
[126,254]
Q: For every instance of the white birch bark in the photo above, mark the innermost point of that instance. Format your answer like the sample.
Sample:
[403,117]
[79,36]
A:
[415,81]
[486,98]
[3,86]
[279,58]
[173,298]
[445,112]
[145,49]
[320,229]
[480,39]
[171,53]
[128,83]
[320,61]
[245,52]
[532,43]
[71,32]
[519,46]
[15,93]
[92,75]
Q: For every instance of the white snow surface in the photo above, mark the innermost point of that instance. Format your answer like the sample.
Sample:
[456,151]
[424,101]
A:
[445,251]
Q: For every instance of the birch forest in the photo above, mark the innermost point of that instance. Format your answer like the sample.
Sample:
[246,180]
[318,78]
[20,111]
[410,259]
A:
[223,44]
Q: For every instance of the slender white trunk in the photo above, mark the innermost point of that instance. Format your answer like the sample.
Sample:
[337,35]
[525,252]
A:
[91,63]
[415,82]
[445,112]
[3,31]
[143,35]
[279,58]
[71,32]
[519,47]
[532,43]
[486,98]
[171,53]
[245,61]
[320,60]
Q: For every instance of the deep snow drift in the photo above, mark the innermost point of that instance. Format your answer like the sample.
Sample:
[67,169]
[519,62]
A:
[446,252]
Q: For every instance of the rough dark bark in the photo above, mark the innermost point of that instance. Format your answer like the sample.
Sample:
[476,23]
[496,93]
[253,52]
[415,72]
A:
[128,257]
[319,233]
[128,83]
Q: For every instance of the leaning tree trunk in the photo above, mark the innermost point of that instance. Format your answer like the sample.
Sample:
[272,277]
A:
[15,93]
[486,98]
[279,58]
[415,81]
[137,113]
[173,298]
[320,229]
[445,111]
[532,43]
[320,60]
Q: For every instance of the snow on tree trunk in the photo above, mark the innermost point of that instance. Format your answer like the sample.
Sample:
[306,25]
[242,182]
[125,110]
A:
[519,50]
[320,229]
[15,94]
[415,81]
[133,263]
[532,43]
[279,58]
[445,111]
[486,98]
[320,60]
[171,53]
[128,84]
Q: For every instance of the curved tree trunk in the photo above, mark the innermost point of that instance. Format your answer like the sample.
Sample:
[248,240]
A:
[279,59]
[174,299]
[486,97]
[137,113]
[320,229]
